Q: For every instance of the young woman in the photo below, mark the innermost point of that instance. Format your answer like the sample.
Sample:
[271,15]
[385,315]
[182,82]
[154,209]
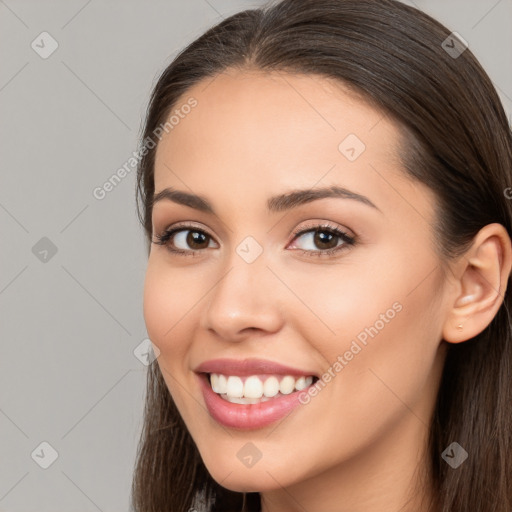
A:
[325,189]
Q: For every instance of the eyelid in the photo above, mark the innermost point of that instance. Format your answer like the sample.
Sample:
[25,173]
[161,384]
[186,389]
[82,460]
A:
[187,225]
[318,224]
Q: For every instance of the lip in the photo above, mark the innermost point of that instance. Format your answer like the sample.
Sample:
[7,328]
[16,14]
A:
[247,367]
[247,416]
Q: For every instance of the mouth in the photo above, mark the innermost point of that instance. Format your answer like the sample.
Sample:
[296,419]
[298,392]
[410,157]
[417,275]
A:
[258,388]
[252,393]
[240,402]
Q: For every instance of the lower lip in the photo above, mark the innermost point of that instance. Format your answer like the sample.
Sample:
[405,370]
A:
[247,416]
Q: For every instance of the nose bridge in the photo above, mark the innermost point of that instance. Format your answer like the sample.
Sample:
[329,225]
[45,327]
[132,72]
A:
[244,296]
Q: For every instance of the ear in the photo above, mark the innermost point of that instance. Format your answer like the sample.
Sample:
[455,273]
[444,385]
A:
[480,287]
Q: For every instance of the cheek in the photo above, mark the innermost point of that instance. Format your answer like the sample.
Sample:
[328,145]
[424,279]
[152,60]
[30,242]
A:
[168,314]
[378,332]
[167,306]
[341,302]
[372,295]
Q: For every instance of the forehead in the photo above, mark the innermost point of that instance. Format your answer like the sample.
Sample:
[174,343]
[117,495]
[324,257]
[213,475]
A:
[254,131]
[277,110]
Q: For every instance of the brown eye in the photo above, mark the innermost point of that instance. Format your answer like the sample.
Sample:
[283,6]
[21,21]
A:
[184,240]
[323,240]
[196,239]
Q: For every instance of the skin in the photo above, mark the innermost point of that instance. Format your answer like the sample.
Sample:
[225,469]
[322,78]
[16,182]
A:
[359,444]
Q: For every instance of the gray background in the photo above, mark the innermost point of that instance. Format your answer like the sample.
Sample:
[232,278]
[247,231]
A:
[70,321]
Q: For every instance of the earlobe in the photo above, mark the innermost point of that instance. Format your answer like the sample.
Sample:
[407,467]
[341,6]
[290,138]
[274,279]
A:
[484,271]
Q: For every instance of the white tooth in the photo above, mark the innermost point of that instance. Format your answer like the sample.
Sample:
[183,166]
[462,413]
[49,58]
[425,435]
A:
[245,400]
[287,385]
[235,387]
[271,387]
[309,381]
[300,383]
[222,384]
[214,380]
[253,387]
[236,400]
[251,400]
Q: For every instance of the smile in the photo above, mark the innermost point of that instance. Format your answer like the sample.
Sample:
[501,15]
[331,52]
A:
[254,389]
[246,413]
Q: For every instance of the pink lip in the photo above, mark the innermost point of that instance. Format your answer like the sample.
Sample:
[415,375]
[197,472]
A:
[247,416]
[249,367]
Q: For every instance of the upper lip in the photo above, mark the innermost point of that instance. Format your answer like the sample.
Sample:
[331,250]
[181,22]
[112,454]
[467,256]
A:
[244,367]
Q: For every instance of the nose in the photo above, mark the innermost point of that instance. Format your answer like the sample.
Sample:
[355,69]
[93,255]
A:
[242,302]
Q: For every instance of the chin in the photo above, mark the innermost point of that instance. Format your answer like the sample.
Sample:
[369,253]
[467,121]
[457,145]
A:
[248,483]
[242,479]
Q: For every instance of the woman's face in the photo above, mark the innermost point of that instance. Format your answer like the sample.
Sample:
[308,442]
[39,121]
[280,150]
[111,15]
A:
[368,314]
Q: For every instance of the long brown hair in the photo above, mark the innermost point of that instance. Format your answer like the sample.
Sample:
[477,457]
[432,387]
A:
[456,140]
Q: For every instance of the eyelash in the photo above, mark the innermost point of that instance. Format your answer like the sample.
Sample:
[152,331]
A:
[163,239]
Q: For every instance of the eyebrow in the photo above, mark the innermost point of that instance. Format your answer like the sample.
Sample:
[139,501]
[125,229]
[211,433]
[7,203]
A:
[277,203]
